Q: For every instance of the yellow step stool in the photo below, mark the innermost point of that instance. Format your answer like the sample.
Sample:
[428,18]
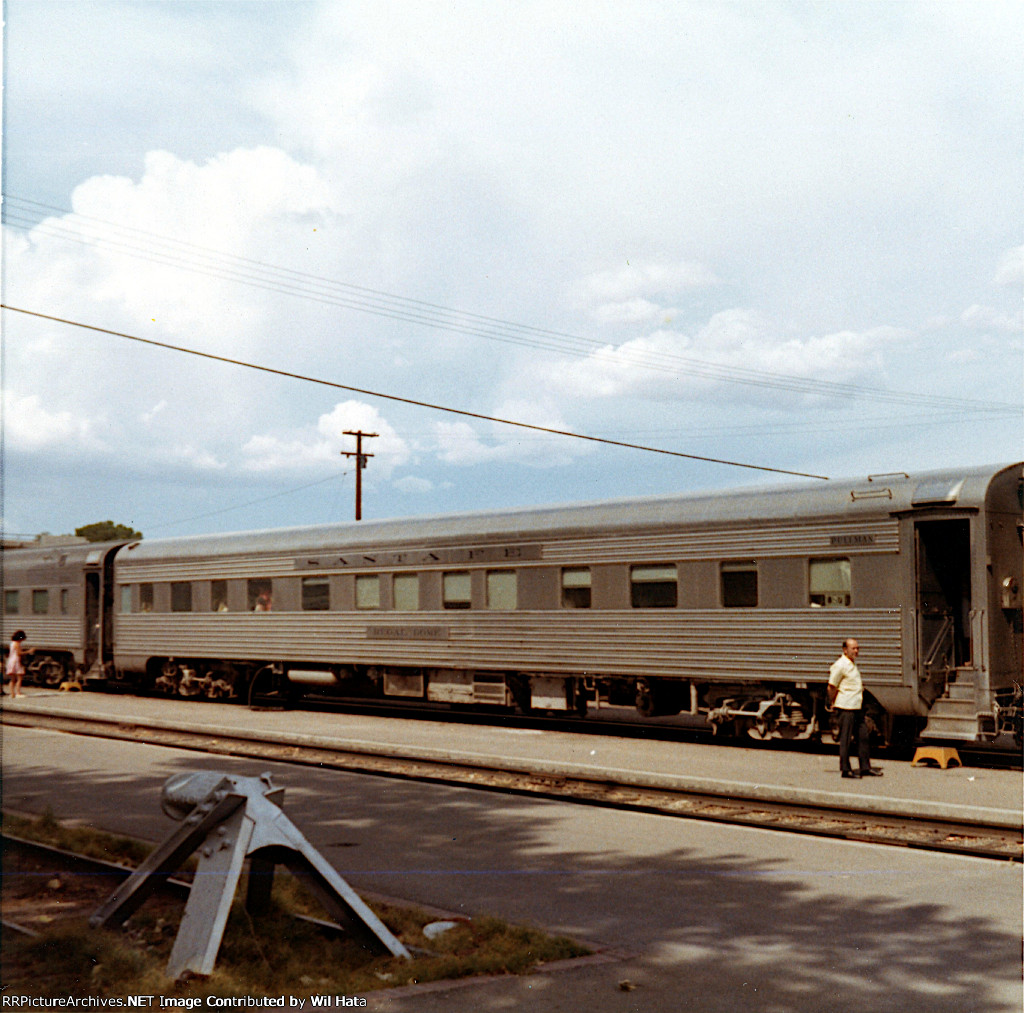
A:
[942,755]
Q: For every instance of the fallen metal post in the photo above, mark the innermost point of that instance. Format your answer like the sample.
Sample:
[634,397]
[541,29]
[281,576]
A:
[230,819]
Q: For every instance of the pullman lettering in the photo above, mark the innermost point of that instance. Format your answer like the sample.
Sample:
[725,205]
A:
[852,540]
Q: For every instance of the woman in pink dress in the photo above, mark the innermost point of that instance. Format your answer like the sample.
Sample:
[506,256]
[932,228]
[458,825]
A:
[15,669]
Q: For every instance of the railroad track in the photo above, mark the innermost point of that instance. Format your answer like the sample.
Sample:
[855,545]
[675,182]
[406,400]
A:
[976,837]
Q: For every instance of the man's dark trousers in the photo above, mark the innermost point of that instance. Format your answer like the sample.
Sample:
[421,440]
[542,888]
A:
[853,726]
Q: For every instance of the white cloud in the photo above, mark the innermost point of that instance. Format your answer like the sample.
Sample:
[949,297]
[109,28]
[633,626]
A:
[158,409]
[461,445]
[30,426]
[1011,270]
[314,448]
[633,311]
[986,318]
[250,204]
[633,280]
[734,344]
[196,458]
[413,485]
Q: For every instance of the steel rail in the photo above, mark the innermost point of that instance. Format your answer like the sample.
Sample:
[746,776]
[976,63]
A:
[86,865]
[964,836]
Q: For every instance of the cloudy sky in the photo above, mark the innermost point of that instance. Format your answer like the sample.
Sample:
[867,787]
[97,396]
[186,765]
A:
[785,235]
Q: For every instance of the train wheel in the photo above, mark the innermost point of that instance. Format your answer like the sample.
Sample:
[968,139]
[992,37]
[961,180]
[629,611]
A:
[222,682]
[51,673]
[169,677]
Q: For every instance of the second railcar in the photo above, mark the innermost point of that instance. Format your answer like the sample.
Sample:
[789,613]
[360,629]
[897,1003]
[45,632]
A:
[62,596]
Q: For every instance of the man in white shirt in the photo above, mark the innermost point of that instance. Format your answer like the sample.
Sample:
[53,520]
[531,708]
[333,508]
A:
[846,695]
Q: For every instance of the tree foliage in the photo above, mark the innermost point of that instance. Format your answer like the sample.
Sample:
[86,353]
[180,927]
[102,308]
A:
[108,531]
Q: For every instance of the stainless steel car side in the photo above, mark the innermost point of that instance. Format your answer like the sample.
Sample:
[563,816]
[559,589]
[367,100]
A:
[729,605]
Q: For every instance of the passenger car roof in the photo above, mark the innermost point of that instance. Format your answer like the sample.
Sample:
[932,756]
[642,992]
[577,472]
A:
[845,498]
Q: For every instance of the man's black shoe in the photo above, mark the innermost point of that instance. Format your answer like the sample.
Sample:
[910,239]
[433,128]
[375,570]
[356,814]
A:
[871,772]
[850,773]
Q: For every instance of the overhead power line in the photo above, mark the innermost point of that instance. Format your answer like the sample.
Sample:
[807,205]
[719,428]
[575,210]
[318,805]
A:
[242,506]
[130,241]
[402,400]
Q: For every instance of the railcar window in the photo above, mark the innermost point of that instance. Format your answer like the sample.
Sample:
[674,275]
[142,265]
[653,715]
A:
[502,588]
[739,584]
[126,598]
[218,596]
[11,602]
[368,591]
[654,587]
[457,590]
[259,596]
[407,592]
[829,583]
[181,596]
[316,594]
[64,601]
[40,603]
[145,597]
[576,587]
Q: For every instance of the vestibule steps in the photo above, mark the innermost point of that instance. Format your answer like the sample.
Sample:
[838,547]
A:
[954,715]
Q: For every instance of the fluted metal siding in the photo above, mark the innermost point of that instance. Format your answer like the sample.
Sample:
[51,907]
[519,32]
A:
[200,568]
[719,543]
[63,633]
[705,644]
[646,546]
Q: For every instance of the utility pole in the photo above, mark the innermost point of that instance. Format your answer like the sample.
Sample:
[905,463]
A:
[360,464]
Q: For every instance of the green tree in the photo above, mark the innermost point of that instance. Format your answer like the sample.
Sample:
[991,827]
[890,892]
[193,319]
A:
[108,531]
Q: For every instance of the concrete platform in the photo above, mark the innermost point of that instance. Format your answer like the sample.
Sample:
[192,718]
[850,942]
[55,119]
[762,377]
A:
[689,915]
[758,771]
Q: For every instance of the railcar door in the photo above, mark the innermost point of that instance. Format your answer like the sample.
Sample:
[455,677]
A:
[943,550]
[93,630]
[98,612]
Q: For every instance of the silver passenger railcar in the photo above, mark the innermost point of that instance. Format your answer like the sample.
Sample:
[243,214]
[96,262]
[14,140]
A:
[62,596]
[730,605]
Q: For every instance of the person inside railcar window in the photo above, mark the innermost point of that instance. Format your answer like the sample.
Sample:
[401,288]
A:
[145,597]
[218,596]
[260,598]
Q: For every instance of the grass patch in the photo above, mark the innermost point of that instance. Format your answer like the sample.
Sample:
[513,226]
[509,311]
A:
[47,829]
[269,955]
